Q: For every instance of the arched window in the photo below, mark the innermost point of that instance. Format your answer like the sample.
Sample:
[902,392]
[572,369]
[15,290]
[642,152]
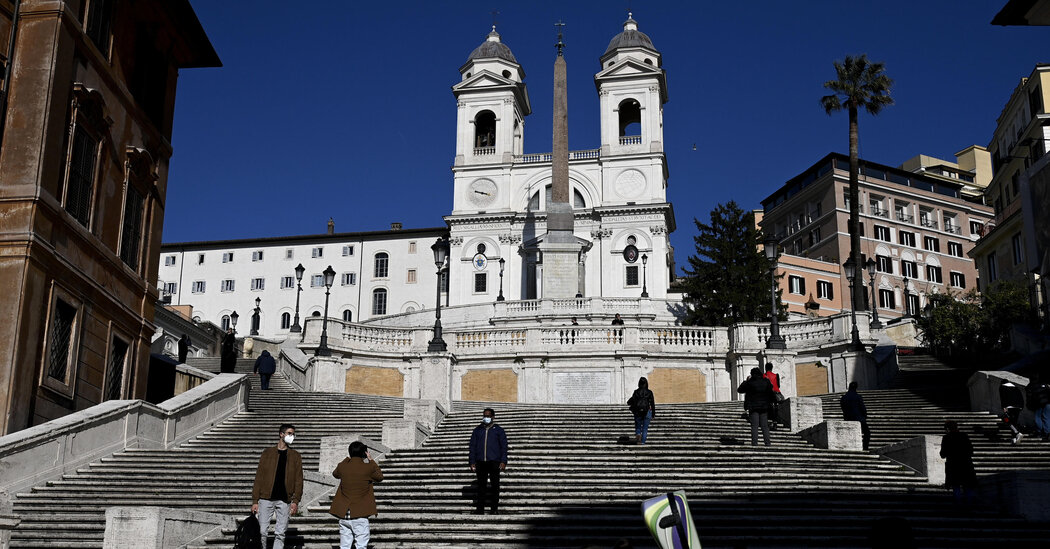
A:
[382,265]
[630,118]
[316,314]
[348,316]
[224,322]
[577,199]
[286,321]
[535,205]
[379,301]
[485,129]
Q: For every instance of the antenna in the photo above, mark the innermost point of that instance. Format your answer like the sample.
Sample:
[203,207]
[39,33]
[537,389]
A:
[560,45]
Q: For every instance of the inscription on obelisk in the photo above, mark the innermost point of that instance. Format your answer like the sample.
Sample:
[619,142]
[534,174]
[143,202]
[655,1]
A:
[560,249]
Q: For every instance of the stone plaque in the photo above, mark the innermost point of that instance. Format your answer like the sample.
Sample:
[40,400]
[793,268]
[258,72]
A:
[581,387]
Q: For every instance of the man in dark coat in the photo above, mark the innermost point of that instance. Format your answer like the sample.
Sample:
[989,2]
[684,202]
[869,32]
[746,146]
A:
[488,458]
[758,397]
[1012,400]
[228,352]
[265,366]
[853,409]
[184,348]
[957,451]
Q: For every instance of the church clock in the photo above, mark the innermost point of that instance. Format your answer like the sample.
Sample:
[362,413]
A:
[481,192]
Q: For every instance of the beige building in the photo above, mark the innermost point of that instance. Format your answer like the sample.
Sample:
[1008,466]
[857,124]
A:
[1010,249]
[917,227]
[86,127]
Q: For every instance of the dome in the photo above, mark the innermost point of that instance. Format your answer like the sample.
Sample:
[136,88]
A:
[492,48]
[631,37]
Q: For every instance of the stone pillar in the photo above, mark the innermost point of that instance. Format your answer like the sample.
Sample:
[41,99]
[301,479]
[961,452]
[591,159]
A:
[435,378]
[739,368]
[921,454]
[851,366]
[799,413]
[329,374]
[429,413]
[783,362]
[835,435]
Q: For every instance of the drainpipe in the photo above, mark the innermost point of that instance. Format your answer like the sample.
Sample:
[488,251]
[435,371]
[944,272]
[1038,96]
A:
[7,71]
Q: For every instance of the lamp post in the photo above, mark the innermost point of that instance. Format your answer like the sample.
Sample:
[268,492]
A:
[775,340]
[233,320]
[322,348]
[907,302]
[645,291]
[851,273]
[875,324]
[502,264]
[255,318]
[440,248]
[299,270]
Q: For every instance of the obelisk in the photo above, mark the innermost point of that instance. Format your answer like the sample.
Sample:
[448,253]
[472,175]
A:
[561,251]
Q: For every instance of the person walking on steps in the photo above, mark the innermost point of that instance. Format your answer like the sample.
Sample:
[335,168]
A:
[643,407]
[957,451]
[758,397]
[355,500]
[1038,400]
[278,485]
[1012,400]
[265,366]
[774,380]
[488,458]
[853,409]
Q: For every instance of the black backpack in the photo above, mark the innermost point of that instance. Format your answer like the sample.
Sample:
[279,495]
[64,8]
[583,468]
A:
[641,403]
[247,536]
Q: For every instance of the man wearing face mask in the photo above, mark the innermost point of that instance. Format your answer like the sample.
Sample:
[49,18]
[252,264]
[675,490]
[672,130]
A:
[488,457]
[278,485]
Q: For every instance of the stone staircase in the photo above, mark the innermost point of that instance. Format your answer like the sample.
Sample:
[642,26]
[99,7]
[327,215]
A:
[568,483]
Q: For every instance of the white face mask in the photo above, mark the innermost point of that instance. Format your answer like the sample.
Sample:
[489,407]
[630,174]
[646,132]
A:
[288,439]
[486,420]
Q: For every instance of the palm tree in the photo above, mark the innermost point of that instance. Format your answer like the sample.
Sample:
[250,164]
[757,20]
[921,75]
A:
[860,84]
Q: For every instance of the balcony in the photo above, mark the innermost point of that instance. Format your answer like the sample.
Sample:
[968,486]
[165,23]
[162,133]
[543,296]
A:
[928,223]
[483,151]
[879,212]
[586,154]
[954,229]
[631,140]
[906,218]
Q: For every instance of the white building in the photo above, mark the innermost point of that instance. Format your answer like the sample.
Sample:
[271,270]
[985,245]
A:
[377,273]
[499,212]
[619,189]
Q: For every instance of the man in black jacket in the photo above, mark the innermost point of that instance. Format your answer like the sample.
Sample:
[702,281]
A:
[758,397]
[488,458]
[265,366]
[853,409]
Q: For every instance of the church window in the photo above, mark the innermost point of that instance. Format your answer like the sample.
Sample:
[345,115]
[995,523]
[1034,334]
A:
[630,118]
[648,61]
[577,199]
[485,130]
[411,276]
[382,266]
[481,283]
[481,248]
[286,321]
[631,276]
[631,240]
[506,74]
[348,316]
[379,301]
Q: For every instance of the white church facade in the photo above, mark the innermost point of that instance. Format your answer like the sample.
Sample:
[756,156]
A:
[619,196]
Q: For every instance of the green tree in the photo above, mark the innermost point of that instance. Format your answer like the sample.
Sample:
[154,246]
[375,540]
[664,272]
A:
[974,322]
[1003,304]
[727,280]
[859,84]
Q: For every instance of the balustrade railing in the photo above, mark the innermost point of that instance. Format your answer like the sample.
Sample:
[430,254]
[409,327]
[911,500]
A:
[582,335]
[372,337]
[679,337]
[631,140]
[490,339]
[482,151]
[586,154]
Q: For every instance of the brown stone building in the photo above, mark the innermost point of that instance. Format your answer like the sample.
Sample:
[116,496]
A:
[918,227]
[85,131]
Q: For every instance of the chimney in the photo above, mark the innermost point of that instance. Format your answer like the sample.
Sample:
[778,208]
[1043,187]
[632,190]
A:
[331,226]
[395,226]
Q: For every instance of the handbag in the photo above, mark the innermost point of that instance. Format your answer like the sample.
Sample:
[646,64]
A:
[247,535]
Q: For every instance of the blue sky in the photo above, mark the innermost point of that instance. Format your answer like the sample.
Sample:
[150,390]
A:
[344,109]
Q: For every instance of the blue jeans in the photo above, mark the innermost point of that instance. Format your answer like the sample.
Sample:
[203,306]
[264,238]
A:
[641,424]
[1042,419]
[353,531]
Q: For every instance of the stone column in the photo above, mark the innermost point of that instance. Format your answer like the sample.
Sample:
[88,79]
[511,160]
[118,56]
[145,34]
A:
[850,366]
[783,362]
[329,374]
[435,379]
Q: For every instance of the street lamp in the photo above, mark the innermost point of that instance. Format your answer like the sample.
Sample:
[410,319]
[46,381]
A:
[502,264]
[645,291]
[440,248]
[907,302]
[851,273]
[233,320]
[299,270]
[875,324]
[775,340]
[322,348]
[255,318]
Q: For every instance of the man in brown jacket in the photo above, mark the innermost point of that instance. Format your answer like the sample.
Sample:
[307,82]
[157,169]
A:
[355,501]
[278,486]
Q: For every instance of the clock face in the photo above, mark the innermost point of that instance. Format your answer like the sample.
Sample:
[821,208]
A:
[481,192]
[630,183]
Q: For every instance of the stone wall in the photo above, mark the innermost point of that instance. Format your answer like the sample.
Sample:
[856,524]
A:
[369,380]
[500,385]
[674,385]
[811,379]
